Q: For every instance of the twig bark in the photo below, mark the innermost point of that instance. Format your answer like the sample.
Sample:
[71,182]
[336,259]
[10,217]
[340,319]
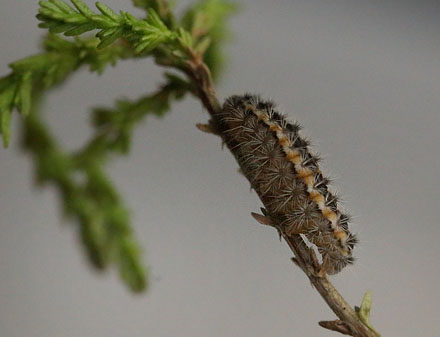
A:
[349,322]
[336,325]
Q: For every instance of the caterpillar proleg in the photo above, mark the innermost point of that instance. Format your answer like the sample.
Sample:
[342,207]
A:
[286,175]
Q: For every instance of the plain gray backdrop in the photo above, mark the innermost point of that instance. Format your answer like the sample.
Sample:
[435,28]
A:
[362,77]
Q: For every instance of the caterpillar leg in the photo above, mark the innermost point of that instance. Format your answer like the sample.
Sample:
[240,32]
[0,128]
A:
[207,128]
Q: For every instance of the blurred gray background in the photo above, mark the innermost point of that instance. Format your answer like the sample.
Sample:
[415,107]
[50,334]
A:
[363,77]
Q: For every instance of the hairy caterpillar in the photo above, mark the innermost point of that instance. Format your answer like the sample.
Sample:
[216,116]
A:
[286,176]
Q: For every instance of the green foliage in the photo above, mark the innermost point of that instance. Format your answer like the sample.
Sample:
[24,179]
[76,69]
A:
[16,89]
[87,194]
[114,126]
[363,312]
[159,6]
[145,35]
[61,58]
[206,20]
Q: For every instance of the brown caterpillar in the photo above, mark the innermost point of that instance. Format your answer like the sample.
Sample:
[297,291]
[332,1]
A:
[286,176]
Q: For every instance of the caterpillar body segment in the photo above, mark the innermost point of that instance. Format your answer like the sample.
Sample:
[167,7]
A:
[286,175]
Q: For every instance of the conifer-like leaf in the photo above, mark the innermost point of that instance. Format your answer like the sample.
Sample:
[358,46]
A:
[7,94]
[159,6]
[65,8]
[92,201]
[206,20]
[114,126]
[145,35]
[5,123]
[25,93]
[81,29]
[44,70]
[107,11]
[82,8]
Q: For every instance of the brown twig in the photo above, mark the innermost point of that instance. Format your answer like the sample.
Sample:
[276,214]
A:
[349,321]
[336,325]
